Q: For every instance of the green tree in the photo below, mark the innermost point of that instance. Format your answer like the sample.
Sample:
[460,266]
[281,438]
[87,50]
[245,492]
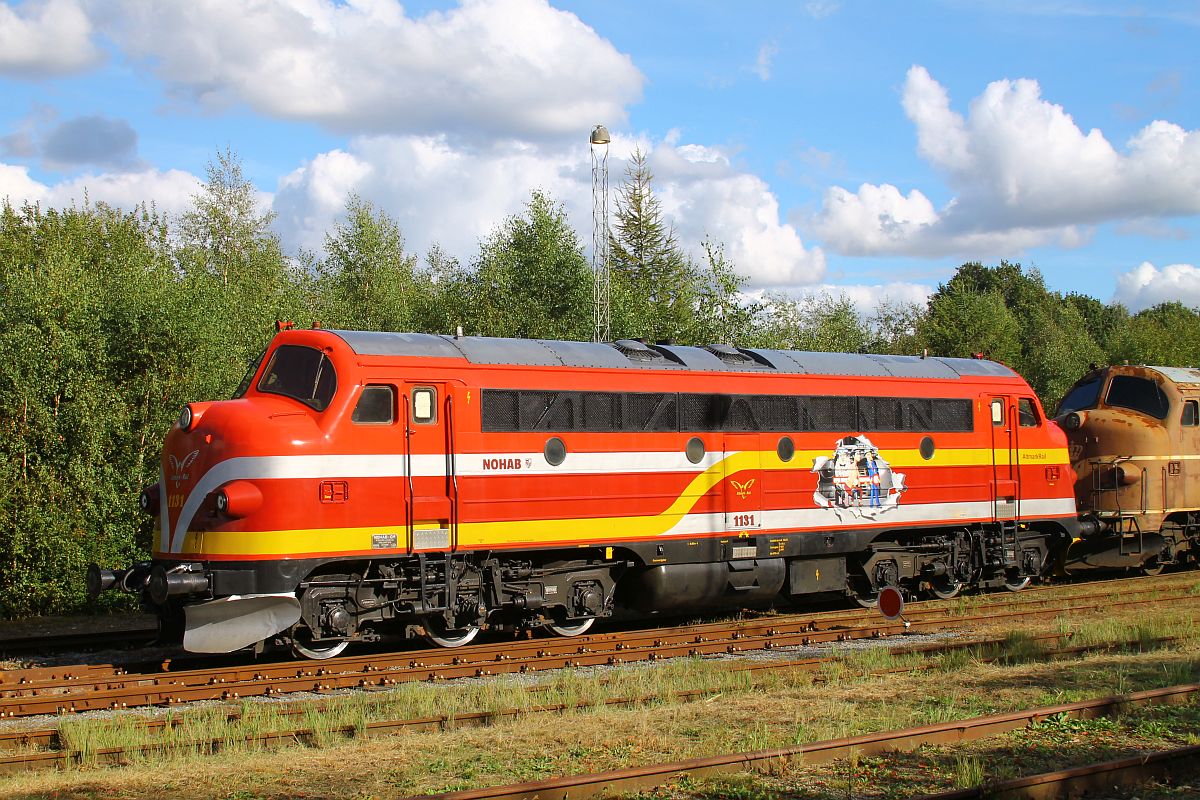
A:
[723,314]
[367,281]
[1006,313]
[1166,335]
[235,273]
[818,322]
[531,279]
[893,326]
[98,342]
[961,322]
[655,286]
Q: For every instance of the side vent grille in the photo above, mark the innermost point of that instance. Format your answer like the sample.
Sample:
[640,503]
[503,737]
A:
[737,356]
[730,355]
[637,351]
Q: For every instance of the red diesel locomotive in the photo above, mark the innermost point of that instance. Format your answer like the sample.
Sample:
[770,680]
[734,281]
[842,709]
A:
[361,484]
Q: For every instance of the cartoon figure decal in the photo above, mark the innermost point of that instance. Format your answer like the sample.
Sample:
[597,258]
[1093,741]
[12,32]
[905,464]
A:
[856,479]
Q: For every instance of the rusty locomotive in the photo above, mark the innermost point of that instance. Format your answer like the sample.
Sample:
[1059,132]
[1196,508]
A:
[1133,436]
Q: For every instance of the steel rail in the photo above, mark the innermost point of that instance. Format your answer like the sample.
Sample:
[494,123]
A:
[1182,762]
[50,676]
[634,779]
[52,755]
[225,684]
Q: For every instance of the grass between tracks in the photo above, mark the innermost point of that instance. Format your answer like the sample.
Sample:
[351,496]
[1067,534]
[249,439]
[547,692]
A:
[778,708]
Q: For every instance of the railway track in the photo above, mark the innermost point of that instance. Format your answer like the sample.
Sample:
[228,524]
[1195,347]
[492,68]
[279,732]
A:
[44,748]
[578,787]
[59,690]
[1182,762]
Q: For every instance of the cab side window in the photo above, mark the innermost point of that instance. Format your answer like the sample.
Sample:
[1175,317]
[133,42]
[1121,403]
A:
[997,412]
[1027,413]
[376,406]
[424,405]
[1191,414]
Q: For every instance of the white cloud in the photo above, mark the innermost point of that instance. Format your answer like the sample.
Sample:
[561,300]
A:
[45,37]
[170,191]
[1146,285]
[762,64]
[454,197]
[706,196]
[481,71]
[1023,172]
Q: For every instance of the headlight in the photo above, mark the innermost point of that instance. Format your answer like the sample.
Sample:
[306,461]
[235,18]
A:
[185,418]
[1072,421]
[238,499]
[148,499]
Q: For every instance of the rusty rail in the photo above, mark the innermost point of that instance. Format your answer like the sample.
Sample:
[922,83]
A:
[54,756]
[1132,771]
[383,670]
[577,787]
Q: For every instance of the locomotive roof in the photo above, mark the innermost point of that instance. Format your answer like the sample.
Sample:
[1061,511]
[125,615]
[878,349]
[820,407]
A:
[629,354]
[1180,375]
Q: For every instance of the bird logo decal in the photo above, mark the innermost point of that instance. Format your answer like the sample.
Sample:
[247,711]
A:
[178,466]
[742,489]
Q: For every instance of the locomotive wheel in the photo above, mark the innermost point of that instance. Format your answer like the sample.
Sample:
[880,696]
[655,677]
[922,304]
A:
[437,632]
[867,599]
[1152,567]
[1017,584]
[573,630]
[317,652]
[945,588]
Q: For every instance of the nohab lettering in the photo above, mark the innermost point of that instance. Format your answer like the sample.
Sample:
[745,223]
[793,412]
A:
[502,462]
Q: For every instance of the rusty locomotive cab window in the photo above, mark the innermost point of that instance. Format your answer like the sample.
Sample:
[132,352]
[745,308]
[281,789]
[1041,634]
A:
[1191,414]
[1084,395]
[1027,414]
[424,405]
[1137,394]
[376,406]
[301,373]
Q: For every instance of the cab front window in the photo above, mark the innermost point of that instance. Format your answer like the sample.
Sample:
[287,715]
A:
[1083,395]
[301,373]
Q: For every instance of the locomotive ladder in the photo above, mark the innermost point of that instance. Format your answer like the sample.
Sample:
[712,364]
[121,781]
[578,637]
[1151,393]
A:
[430,586]
[1126,525]
[1010,542]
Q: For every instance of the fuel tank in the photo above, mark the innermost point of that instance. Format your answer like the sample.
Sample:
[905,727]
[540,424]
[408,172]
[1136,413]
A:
[675,588]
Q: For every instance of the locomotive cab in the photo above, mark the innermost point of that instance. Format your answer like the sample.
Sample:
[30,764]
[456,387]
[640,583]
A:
[1134,434]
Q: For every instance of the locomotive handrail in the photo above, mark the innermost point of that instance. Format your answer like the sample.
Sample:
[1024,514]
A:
[452,470]
[408,506]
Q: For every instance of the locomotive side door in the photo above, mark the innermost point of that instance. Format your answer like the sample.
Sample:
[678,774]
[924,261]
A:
[1189,445]
[1006,475]
[742,485]
[427,411]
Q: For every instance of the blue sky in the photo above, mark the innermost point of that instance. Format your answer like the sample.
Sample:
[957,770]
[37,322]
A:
[858,147]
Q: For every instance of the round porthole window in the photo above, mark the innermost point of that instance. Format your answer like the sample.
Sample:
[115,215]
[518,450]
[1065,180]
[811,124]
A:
[786,448]
[695,450]
[927,448]
[555,452]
